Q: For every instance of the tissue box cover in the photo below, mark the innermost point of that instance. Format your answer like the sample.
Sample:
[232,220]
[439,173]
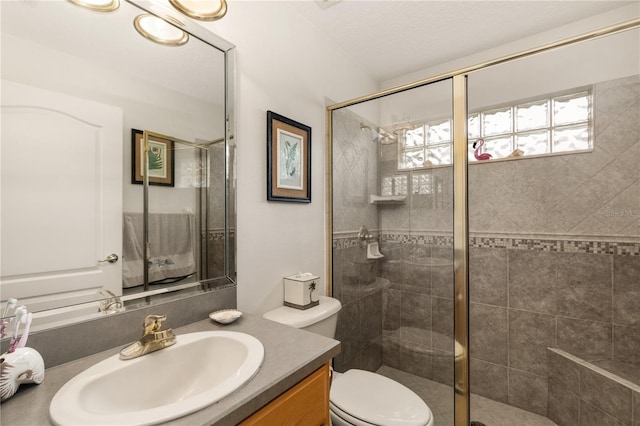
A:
[300,291]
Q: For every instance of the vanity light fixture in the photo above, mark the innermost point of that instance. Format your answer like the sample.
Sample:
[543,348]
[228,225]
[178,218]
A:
[204,10]
[159,31]
[98,5]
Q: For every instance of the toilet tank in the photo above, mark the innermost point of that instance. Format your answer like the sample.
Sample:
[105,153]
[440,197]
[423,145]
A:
[321,319]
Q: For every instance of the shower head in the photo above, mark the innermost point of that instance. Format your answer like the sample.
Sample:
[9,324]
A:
[374,134]
[379,135]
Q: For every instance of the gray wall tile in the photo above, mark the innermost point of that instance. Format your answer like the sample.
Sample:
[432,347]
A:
[488,276]
[564,372]
[606,395]
[530,334]
[489,380]
[417,277]
[393,270]
[578,205]
[391,309]
[442,272]
[443,366]
[348,333]
[584,285]
[416,318]
[355,173]
[371,357]
[586,339]
[626,290]
[626,344]
[528,391]
[592,416]
[442,327]
[337,274]
[371,317]
[563,406]
[532,278]
[417,359]
[442,281]
[636,408]
[351,288]
[488,333]
[391,351]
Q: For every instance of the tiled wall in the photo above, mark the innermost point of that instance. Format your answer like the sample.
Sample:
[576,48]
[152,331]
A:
[215,240]
[591,194]
[525,296]
[525,299]
[581,394]
[554,262]
[355,175]
[588,194]
[356,281]
[358,285]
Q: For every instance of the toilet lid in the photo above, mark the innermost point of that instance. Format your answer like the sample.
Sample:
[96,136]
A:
[378,400]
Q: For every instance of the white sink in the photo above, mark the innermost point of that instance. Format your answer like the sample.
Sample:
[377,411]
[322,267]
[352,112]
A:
[200,369]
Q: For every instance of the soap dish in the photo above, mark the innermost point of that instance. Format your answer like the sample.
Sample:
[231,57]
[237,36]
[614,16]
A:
[225,316]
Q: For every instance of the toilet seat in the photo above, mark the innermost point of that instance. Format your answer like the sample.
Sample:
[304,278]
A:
[365,398]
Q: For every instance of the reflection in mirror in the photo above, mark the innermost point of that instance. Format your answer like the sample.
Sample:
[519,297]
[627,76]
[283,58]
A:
[73,101]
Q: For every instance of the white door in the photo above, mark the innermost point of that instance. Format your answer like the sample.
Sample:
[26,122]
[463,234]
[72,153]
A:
[61,197]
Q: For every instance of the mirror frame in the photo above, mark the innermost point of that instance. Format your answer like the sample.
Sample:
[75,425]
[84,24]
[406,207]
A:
[163,295]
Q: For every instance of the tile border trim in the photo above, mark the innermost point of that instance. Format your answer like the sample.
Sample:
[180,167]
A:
[560,245]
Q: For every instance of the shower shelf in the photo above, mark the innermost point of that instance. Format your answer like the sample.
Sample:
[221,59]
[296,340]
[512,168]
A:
[387,199]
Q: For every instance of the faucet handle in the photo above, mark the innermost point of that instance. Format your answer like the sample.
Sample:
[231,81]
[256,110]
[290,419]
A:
[153,323]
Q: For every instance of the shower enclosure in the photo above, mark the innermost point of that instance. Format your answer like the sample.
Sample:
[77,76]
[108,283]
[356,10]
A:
[505,201]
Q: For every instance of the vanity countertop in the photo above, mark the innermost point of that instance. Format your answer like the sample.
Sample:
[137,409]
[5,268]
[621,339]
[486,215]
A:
[290,356]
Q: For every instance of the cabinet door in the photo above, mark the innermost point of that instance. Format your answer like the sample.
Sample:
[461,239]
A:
[61,197]
[305,404]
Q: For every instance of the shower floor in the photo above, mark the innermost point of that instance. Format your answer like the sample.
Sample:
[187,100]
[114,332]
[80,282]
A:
[439,397]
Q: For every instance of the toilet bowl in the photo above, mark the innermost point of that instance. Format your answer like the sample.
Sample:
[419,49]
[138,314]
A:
[357,397]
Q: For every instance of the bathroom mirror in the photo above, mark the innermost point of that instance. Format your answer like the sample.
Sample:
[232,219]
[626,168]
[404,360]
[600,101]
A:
[77,97]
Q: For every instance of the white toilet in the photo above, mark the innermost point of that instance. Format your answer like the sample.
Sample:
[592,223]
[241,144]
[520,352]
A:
[357,397]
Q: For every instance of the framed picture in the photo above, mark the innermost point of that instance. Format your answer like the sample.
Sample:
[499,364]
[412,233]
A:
[161,160]
[288,160]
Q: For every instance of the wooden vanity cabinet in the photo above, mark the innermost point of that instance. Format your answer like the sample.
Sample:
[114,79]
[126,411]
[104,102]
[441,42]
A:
[307,403]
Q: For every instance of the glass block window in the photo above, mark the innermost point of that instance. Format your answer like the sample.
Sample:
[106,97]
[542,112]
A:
[438,133]
[414,138]
[394,185]
[551,124]
[496,122]
[543,126]
[426,145]
[422,183]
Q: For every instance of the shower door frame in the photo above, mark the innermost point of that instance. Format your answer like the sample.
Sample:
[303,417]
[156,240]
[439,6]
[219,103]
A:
[460,193]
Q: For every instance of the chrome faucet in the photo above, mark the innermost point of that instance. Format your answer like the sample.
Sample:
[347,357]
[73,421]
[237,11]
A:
[364,235]
[152,339]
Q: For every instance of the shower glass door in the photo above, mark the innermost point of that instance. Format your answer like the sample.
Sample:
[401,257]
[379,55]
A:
[554,218]
[392,240]
[485,235]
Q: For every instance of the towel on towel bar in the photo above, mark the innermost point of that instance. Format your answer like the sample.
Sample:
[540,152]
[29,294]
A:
[171,247]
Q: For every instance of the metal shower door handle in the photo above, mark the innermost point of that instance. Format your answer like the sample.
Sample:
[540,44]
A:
[112,258]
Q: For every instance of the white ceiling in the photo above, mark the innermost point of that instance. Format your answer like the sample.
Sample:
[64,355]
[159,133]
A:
[110,41]
[394,38]
[390,38]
